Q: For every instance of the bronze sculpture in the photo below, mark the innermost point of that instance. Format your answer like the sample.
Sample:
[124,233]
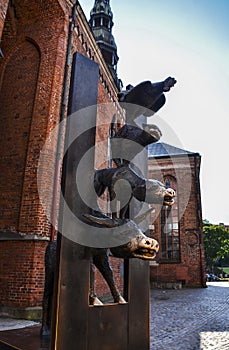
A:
[144,99]
[149,191]
[141,247]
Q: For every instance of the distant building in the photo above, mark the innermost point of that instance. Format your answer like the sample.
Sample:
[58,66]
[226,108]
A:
[178,228]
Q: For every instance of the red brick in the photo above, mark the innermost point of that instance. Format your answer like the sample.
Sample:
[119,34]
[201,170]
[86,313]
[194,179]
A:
[34,42]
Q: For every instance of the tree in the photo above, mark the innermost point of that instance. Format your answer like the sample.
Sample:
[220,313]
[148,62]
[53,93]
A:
[216,243]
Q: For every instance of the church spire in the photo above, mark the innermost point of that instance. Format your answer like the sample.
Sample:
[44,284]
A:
[101,23]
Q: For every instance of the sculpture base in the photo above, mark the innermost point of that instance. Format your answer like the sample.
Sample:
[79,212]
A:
[23,339]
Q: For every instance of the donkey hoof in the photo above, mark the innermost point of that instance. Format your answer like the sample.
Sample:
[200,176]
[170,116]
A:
[121,300]
[95,301]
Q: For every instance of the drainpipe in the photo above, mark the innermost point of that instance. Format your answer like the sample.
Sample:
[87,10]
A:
[199,219]
[61,133]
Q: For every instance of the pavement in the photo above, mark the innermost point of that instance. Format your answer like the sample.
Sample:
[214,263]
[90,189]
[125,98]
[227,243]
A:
[190,319]
[12,323]
[181,319]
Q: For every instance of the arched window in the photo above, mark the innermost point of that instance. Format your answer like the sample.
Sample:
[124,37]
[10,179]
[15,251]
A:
[170,236]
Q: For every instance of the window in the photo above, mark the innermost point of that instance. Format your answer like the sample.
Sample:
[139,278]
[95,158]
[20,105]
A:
[170,236]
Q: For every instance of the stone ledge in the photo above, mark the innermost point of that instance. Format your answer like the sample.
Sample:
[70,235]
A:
[26,313]
[166,285]
[14,236]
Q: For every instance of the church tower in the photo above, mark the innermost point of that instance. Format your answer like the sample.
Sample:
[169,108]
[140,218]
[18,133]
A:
[101,23]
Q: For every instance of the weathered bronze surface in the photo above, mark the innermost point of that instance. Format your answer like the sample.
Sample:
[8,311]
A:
[145,98]
[140,246]
[79,320]
[149,191]
[70,311]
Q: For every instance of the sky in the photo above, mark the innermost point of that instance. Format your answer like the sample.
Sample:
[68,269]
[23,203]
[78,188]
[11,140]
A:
[188,40]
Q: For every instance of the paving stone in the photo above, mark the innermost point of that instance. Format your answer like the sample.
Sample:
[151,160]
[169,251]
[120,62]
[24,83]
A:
[190,319]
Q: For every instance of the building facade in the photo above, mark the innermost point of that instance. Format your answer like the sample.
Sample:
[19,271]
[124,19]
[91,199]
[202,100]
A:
[178,229]
[38,40]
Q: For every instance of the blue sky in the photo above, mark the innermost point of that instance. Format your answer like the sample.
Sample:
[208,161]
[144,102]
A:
[187,39]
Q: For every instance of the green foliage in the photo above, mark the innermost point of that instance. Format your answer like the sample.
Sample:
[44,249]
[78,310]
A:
[216,242]
[226,270]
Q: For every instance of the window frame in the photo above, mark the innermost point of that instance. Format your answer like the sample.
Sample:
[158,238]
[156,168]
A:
[170,236]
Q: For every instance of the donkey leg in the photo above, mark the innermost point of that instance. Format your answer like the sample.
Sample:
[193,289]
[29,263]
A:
[123,211]
[101,261]
[113,202]
[93,300]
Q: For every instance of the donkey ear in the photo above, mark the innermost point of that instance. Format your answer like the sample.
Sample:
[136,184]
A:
[105,221]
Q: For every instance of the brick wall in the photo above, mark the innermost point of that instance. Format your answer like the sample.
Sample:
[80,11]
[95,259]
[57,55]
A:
[17,103]
[22,272]
[31,87]
[34,42]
